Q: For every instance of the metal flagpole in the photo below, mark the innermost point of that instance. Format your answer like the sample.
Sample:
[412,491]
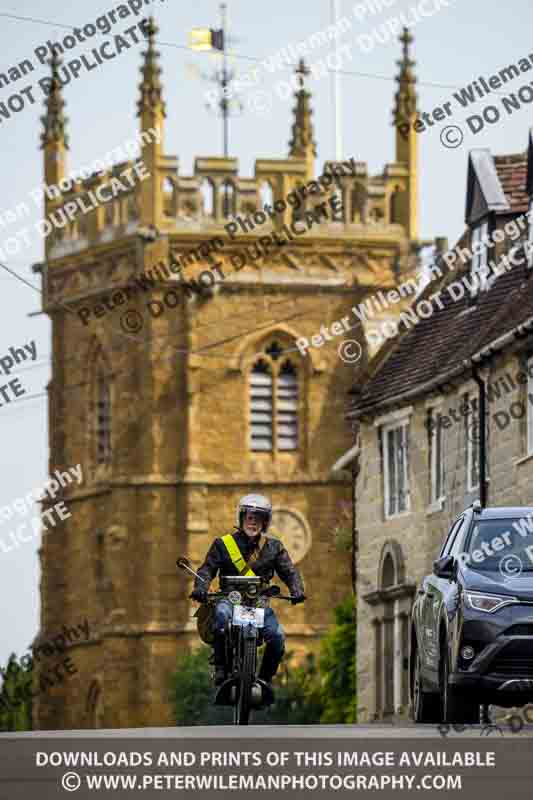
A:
[336,86]
[224,104]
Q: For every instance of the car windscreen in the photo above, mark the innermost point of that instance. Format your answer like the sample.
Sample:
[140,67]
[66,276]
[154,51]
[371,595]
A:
[494,541]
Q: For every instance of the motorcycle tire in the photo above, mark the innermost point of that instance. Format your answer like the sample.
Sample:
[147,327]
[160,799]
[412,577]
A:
[243,705]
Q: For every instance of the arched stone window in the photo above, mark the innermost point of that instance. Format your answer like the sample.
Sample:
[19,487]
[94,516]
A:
[266,194]
[358,204]
[395,206]
[339,213]
[109,214]
[287,407]
[169,196]
[228,199]
[298,213]
[274,402]
[133,213]
[83,224]
[207,191]
[103,419]
[261,407]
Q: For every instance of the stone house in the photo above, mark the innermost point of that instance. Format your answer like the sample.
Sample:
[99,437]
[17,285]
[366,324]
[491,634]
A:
[417,417]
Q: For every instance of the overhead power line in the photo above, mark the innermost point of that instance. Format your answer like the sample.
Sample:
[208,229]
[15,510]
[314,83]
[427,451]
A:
[254,59]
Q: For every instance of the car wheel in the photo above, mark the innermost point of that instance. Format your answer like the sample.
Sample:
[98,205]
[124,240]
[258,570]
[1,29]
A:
[456,706]
[425,706]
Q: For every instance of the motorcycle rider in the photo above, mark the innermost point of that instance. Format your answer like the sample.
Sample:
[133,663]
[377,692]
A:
[249,547]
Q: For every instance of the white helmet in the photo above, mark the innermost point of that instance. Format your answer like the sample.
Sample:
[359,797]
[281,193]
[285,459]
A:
[258,503]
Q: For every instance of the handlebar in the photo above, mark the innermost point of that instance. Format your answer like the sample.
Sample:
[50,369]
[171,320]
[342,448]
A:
[185,564]
[224,596]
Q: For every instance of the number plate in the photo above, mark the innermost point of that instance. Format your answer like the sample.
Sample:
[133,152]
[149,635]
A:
[245,616]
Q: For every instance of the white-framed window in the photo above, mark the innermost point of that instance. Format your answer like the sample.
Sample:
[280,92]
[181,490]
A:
[529,405]
[479,270]
[470,411]
[436,456]
[395,444]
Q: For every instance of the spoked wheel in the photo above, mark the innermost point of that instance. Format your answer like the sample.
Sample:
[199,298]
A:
[425,706]
[243,705]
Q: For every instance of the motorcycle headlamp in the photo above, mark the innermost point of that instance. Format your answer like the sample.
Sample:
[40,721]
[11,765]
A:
[489,602]
[234,597]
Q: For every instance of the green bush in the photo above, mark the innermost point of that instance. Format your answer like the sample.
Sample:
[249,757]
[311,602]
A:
[15,696]
[337,667]
[192,690]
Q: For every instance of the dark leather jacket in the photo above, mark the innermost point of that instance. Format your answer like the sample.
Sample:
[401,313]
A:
[273,558]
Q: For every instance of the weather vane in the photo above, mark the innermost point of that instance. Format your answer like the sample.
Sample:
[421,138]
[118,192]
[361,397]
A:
[209,39]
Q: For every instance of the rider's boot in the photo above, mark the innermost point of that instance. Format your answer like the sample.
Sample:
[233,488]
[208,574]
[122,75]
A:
[220,675]
[269,665]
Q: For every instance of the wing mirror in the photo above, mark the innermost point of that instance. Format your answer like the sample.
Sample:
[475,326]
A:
[444,567]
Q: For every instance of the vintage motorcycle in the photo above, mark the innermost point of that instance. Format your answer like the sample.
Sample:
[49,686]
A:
[244,634]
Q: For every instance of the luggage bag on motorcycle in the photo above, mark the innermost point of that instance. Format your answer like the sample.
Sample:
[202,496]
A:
[204,622]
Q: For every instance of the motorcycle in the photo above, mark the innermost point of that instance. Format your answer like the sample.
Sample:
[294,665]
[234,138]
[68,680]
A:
[244,634]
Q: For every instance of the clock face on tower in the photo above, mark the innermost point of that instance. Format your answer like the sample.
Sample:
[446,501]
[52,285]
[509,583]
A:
[292,529]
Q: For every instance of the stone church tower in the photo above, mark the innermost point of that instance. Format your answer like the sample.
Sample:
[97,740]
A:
[177,412]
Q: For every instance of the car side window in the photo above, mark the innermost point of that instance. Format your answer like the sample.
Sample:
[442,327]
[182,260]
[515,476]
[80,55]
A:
[451,538]
[458,542]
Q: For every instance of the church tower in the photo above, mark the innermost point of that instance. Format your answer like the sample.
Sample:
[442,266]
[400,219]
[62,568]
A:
[176,403]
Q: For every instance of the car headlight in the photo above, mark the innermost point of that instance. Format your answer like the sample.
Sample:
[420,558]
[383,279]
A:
[489,602]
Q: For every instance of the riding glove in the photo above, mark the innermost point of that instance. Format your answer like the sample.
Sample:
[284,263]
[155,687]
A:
[298,598]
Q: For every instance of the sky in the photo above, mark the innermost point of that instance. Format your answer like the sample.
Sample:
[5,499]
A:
[455,43]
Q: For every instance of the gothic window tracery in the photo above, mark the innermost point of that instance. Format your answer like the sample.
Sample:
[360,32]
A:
[274,402]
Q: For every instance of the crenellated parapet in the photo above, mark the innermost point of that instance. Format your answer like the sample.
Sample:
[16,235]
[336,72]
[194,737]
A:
[102,208]
[106,207]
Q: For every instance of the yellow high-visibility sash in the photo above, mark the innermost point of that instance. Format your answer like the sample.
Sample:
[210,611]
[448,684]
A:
[236,556]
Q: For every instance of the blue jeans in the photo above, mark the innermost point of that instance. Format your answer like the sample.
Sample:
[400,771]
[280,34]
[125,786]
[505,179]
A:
[272,632]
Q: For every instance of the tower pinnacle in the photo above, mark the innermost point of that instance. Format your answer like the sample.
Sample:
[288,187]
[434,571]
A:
[152,112]
[302,144]
[54,139]
[54,121]
[151,99]
[405,115]
[405,99]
